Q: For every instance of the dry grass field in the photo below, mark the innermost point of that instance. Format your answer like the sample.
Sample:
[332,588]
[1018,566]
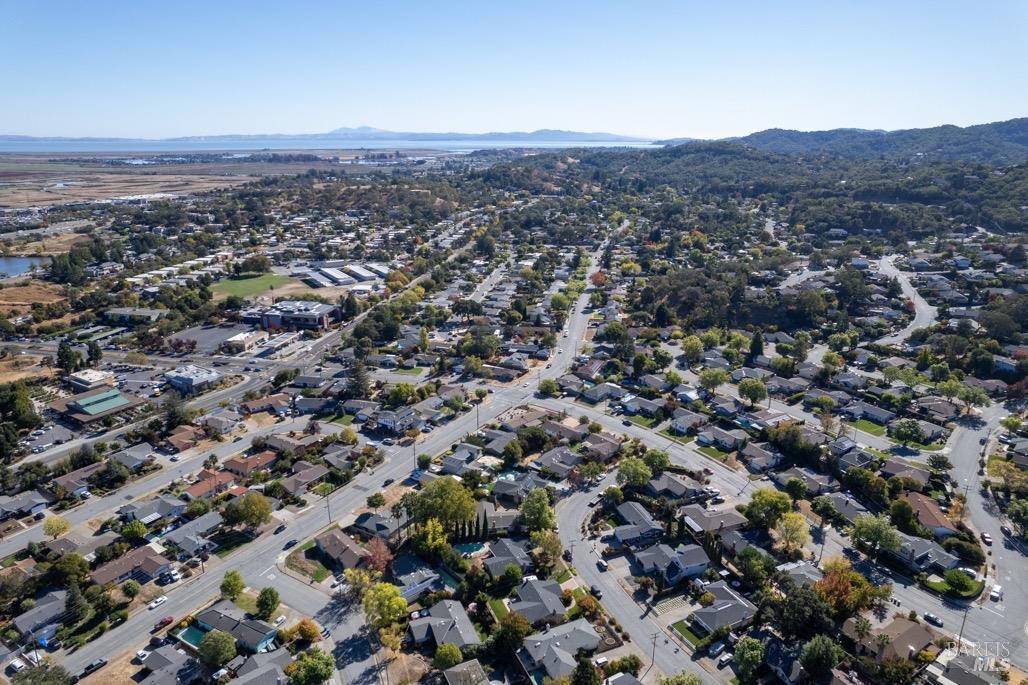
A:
[24,296]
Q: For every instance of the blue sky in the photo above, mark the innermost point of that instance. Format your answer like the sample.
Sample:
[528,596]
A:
[711,69]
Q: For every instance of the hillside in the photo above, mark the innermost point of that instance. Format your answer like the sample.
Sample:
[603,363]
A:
[1000,143]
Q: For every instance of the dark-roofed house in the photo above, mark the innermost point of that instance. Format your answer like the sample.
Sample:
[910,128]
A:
[918,555]
[555,651]
[904,469]
[170,666]
[801,572]
[670,566]
[414,576]
[505,552]
[372,524]
[251,635]
[164,506]
[191,537]
[341,548]
[817,483]
[560,462]
[675,486]
[601,446]
[729,610]
[47,611]
[304,475]
[539,601]
[849,509]
[467,673]
[639,526]
[701,521]
[447,623]
[142,564]
[514,491]
[722,439]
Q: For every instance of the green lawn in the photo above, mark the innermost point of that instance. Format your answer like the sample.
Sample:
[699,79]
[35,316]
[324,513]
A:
[944,588]
[248,603]
[247,287]
[498,607]
[564,575]
[869,427]
[345,419]
[416,371]
[682,628]
[646,422]
[307,560]
[934,447]
[684,439]
[229,542]
[712,452]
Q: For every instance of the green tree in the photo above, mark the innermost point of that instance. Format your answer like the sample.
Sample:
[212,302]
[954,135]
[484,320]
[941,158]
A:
[312,666]
[548,387]
[267,603]
[134,530]
[217,648]
[232,585]
[446,500]
[939,463]
[130,588]
[973,397]
[749,655]
[907,431]
[447,655]
[796,489]
[753,390]
[536,512]
[712,379]
[54,527]
[656,460]
[383,604]
[820,655]
[585,673]
[376,500]
[633,473]
[75,605]
[959,581]
[766,506]
[680,678]
[876,533]
[511,632]
[1017,512]
[68,359]
[824,507]
[792,531]
[197,508]
[44,674]
[252,509]
[692,348]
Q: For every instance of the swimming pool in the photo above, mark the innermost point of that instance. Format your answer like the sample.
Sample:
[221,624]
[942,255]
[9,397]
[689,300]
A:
[470,547]
[191,635]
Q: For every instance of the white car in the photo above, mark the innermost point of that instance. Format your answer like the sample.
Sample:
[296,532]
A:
[279,621]
[17,665]
[141,655]
[997,593]
[157,602]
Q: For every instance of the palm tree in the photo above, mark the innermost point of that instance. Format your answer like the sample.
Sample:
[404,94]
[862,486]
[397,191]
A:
[862,627]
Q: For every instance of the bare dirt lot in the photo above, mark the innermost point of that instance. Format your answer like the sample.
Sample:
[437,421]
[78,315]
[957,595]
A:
[22,366]
[50,245]
[44,188]
[23,296]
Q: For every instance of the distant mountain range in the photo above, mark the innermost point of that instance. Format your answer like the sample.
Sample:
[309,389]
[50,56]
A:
[368,133]
[1003,142]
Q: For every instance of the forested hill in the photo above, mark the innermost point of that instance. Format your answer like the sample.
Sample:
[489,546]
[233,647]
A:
[1000,143]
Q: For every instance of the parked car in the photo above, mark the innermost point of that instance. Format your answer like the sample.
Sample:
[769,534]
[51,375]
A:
[279,621]
[1006,531]
[987,539]
[602,564]
[933,619]
[163,623]
[17,665]
[725,659]
[94,666]
[141,655]
[715,649]
[597,592]
[157,602]
[997,593]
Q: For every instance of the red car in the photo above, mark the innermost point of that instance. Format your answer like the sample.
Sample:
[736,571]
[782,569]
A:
[163,623]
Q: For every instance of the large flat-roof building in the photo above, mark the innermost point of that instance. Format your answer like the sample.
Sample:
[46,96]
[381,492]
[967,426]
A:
[299,314]
[95,405]
[191,378]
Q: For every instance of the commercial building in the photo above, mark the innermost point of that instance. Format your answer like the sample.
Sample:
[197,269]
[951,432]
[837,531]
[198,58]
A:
[244,342]
[90,379]
[95,405]
[299,314]
[190,378]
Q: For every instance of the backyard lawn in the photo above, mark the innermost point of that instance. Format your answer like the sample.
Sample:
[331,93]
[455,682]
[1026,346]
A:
[498,607]
[247,287]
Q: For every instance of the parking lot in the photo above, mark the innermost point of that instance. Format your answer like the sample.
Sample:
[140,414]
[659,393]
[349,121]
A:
[210,338]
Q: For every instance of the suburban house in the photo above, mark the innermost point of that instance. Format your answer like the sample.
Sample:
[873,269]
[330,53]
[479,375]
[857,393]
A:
[447,623]
[162,507]
[47,611]
[515,491]
[251,634]
[304,475]
[247,466]
[729,610]
[414,577]
[142,564]
[539,601]
[208,484]
[341,548]
[674,486]
[918,555]
[724,440]
[639,525]
[929,515]
[506,552]
[555,651]
[701,521]
[191,537]
[684,421]
[670,566]
[374,525]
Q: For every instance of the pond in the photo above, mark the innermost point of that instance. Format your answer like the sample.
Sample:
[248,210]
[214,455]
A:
[17,266]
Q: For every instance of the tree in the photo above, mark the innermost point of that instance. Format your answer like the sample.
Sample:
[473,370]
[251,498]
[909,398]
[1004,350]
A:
[657,461]
[512,453]
[824,507]
[1017,512]
[939,463]
[756,344]
[803,613]
[511,632]
[547,548]
[376,500]
[70,569]
[820,655]
[862,627]
[749,655]
[130,588]
[93,353]
[766,506]
[197,508]
[792,531]
[252,509]
[692,348]
[754,565]
[267,603]
[585,673]
[379,554]
[796,489]
[232,585]
[753,390]
[512,576]
[876,532]
[134,530]
[430,538]
[959,581]
[548,387]
[312,667]
[536,512]
[54,527]
[633,473]
[907,431]
[75,605]
[68,359]
[383,604]
[590,470]
[307,630]
[973,397]
[446,500]
[359,387]
[847,591]
[712,379]
[447,655]
[44,674]
[359,580]
[680,678]
[217,648]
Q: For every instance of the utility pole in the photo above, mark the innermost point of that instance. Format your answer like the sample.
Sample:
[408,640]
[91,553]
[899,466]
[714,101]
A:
[653,655]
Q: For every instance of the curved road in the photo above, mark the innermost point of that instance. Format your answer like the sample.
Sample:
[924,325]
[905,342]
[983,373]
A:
[924,314]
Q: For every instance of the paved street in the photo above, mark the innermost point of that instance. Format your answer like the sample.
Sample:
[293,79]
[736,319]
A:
[924,314]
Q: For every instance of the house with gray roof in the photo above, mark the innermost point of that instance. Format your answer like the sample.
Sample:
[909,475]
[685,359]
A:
[639,525]
[729,609]
[447,623]
[164,506]
[554,652]
[674,486]
[671,565]
[504,552]
[191,537]
[250,634]
[539,601]
[47,611]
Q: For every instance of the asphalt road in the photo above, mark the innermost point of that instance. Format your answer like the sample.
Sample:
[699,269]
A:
[924,314]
